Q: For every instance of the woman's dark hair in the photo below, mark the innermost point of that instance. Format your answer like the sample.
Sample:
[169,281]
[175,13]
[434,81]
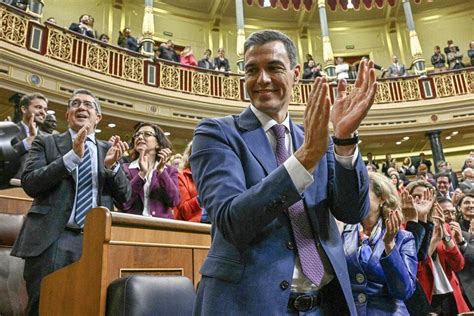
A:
[471,195]
[163,141]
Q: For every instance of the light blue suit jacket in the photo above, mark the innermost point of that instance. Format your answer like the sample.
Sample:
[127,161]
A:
[250,266]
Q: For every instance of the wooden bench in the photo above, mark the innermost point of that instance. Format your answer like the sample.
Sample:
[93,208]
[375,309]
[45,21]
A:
[117,245]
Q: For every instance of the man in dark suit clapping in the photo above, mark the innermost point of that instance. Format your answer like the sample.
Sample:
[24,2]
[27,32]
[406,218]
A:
[33,108]
[66,174]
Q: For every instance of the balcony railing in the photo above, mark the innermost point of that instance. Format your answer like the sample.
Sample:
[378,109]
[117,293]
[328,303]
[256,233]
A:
[52,41]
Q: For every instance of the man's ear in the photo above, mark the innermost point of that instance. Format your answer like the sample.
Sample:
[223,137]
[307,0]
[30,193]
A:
[98,119]
[296,73]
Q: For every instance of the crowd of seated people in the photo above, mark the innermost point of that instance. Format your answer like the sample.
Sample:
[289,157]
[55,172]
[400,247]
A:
[166,50]
[451,59]
[445,209]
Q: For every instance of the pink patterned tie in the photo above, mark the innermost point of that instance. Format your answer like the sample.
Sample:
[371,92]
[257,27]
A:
[309,256]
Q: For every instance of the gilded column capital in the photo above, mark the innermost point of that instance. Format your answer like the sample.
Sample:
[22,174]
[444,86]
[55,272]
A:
[415,46]
[240,42]
[148,28]
[328,55]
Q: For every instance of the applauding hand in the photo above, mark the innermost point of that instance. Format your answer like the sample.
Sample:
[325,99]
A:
[349,110]
[115,152]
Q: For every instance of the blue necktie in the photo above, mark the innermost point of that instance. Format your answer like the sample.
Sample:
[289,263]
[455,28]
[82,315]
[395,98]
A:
[310,260]
[84,187]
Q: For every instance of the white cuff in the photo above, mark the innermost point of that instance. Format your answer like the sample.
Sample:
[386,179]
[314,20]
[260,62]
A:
[301,178]
[348,162]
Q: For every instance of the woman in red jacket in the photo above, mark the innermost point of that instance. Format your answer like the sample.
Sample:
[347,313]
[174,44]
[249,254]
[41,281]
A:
[437,275]
[188,209]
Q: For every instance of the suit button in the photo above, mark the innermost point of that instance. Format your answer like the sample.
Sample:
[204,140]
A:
[361,298]
[360,278]
[290,245]
[284,285]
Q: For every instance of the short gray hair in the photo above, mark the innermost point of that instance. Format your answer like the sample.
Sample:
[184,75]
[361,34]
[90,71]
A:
[87,92]
[267,36]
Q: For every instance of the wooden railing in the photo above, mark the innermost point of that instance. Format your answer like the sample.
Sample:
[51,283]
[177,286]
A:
[50,40]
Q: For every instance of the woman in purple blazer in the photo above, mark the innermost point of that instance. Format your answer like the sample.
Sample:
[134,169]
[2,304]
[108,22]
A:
[154,183]
[380,257]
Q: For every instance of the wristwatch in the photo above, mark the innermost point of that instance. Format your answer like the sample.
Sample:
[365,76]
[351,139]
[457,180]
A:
[346,141]
[462,243]
[447,238]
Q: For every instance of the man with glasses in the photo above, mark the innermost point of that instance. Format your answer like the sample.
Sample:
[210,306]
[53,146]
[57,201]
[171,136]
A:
[66,174]
[465,243]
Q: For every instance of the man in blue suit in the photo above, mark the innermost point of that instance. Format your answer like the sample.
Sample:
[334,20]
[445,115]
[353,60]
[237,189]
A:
[259,263]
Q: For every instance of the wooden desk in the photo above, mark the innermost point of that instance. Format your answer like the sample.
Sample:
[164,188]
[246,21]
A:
[115,245]
[14,201]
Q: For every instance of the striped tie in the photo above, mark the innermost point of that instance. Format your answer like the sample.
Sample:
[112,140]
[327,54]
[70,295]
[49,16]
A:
[84,188]
[310,260]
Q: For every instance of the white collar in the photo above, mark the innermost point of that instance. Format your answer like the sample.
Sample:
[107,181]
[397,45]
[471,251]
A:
[266,121]
[91,136]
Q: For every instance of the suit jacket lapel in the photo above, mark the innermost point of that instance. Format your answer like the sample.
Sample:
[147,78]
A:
[64,144]
[101,151]
[256,140]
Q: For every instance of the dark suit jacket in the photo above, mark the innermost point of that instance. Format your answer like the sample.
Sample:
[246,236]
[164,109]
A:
[466,275]
[20,149]
[249,268]
[393,72]
[467,187]
[76,27]
[47,180]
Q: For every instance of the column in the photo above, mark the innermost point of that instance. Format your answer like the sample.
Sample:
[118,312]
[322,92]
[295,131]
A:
[148,29]
[415,46]
[35,7]
[436,147]
[239,16]
[328,56]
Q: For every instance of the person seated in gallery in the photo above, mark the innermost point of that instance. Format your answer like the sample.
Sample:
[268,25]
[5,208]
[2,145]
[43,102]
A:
[187,57]
[342,69]
[83,27]
[455,58]
[206,61]
[220,62]
[449,43]
[438,60]
[312,71]
[396,69]
[470,53]
[166,51]
[154,182]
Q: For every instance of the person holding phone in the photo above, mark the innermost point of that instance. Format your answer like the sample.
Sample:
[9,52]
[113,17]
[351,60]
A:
[154,182]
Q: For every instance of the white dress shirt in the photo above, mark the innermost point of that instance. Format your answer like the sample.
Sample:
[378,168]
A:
[302,179]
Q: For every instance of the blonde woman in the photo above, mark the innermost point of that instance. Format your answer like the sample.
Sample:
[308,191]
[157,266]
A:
[380,257]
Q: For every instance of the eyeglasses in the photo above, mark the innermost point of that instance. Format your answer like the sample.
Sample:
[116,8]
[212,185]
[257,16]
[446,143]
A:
[448,212]
[145,134]
[77,103]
